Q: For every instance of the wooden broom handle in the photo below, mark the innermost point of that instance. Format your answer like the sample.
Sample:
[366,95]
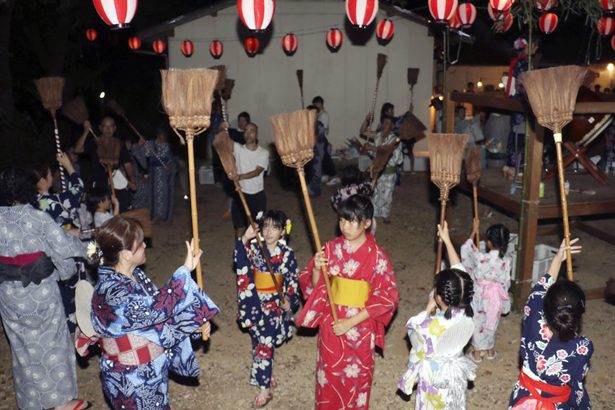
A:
[110,176]
[194,212]
[56,136]
[564,201]
[246,208]
[442,218]
[475,198]
[308,206]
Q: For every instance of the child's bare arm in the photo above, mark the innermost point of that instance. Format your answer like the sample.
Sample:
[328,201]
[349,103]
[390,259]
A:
[319,262]
[342,326]
[453,257]
[556,263]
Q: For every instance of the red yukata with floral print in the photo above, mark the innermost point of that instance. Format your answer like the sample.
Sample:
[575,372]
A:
[345,364]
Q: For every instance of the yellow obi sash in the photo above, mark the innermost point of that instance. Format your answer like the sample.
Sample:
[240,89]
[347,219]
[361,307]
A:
[349,292]
[264,283]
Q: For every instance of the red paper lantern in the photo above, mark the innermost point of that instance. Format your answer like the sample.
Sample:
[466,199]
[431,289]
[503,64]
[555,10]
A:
[495,14]
[608,5]
[289,43]
[613,43]
[159,46]
[91,34]
[606,26]
[334,38]
[467,14]
[544,5]
[385,30]
[454,22]
[116,13]
[442,10]
[503,24]
[500,5]
[548,22]
[134,43]
[216,48]
[187,48]
[251,45]
[256,14]
[361,12]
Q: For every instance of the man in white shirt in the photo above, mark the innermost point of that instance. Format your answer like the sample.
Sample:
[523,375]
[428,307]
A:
[251,161]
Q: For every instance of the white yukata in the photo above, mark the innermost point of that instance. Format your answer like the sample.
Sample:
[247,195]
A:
[491,276]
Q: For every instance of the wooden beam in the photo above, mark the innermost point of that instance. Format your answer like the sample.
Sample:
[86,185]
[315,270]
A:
[601,107]
[529,225]
[594,231]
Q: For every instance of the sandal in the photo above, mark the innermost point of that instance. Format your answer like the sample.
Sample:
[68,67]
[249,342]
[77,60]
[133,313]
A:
[491,356]
[273,382]
[261,400]
[473,358]
[76,405]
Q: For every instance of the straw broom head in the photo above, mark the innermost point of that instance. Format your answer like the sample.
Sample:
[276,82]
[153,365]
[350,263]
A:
[115,106]
[76,110]
[229,84]
[224,146]
[382,60]
[221,76]
[300,77]
[383,153]
[50,90]
[552,93]
[186,97]
[445,156]
[295,137]
[411,128]
[473,165]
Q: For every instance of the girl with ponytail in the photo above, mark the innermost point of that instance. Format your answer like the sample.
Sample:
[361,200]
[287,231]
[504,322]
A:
[554,354]
[490,272]
[438,336]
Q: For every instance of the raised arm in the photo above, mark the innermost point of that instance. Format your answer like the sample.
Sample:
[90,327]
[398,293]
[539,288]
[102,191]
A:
[453,257]
[556,263]
[79,145]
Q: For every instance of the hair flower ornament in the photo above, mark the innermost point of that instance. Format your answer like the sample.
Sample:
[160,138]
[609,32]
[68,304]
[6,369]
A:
[288,227]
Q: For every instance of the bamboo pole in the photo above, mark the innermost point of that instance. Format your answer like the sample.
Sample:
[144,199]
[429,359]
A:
[442,219]
[193,207]
[317,243]
[56,135]
[557,136]
[475,199]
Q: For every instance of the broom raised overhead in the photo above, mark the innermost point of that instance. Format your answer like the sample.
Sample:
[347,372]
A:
[552,93]
[472,176]
[295,136]
[186,97]
[445,156]
[50,90]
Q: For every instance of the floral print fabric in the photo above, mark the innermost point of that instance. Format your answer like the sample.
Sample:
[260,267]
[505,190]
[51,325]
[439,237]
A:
[165,316]
[488,271]
[345,364]
[553,361]
[63,207]
[269,326]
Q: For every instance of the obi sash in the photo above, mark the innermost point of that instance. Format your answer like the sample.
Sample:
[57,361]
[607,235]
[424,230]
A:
[264,282]
[349,292]
[27,268]
[494,296]
[130,350]
[559,394]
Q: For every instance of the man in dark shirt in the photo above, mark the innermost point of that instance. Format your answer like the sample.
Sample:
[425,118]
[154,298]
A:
[121,163]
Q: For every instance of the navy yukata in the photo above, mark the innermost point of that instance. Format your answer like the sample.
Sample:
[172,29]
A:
[260,311]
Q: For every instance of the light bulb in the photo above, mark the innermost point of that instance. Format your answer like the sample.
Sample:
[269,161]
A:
[610,67]
[102,95]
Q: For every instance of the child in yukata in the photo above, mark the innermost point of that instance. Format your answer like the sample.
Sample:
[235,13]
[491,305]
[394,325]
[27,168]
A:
[554,353]
[267,318]
[437,365]
[102,206]
[491,275]
[365,294]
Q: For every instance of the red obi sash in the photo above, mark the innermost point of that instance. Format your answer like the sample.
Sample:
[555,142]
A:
[130,350]
[23,259]
[560,394]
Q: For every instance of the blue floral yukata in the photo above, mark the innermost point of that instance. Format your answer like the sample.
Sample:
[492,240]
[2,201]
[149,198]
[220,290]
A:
[165,317]
[547,360]
[261,313]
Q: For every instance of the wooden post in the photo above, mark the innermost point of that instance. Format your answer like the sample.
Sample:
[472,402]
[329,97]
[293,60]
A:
[529,203]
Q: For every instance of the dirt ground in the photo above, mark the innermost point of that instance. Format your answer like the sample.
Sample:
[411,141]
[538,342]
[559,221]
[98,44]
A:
[225,359]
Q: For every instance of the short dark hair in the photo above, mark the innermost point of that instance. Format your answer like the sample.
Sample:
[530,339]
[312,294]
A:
[499,236]
[245,115]
[311,107]
[95,196]
[385,107]
[456,289]
[255,126]
[276,217]
[356,208]
[318,99]
[564,306]
[351,175]
[115,235]
[17,186]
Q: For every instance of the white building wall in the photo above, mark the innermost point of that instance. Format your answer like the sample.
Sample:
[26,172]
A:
[267,83]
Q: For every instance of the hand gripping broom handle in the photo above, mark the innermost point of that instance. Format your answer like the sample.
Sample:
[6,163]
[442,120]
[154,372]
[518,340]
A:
[246,208]
[557,136]
[442,218]
[325,273]
[194,212]
[56,135]
[475,198]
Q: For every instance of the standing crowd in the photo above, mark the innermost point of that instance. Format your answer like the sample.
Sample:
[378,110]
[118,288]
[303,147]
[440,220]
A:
[348,289]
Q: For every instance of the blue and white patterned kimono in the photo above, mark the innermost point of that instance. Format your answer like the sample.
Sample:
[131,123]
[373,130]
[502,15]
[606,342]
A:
[165,317]
[63,207]
[261,313]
